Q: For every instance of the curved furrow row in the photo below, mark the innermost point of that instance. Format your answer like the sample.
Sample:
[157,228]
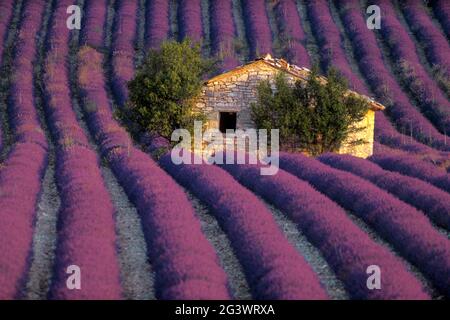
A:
[190,20]
[291,33]
[185,264]
[39,273]
[157,23]
[86,227]
[414,168]
[210,228]
[121,162]
[431,200]
[329,39]
[333,54]
[173,19]
[348,249]
[223,32]
[224,252]
[406,228]
[140,33]
[123,52]
[135,272]
[334,287]
[311,44]
[217,237]
[382,82]
[442,11]
[10,16]
[242,46]
[436,46]
[273,268]
[258,28]
[22,171]
[279,47]
[6,14]
[429,96]
[93,28]
[440,160]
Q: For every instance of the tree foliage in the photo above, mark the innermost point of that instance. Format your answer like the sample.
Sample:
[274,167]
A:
[315,116]
[162,92]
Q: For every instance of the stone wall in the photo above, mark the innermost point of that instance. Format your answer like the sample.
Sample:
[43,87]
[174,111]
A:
[366,134]
[235,91]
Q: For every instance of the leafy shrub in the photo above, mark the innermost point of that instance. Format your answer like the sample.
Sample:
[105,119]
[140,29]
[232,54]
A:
[314,116]
[162,92]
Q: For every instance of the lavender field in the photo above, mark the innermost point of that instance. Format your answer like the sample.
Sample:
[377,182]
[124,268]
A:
[76,189]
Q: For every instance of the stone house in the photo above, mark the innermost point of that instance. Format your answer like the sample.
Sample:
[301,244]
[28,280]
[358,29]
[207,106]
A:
[226,99]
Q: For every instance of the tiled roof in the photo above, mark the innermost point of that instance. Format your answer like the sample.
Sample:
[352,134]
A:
[296,71]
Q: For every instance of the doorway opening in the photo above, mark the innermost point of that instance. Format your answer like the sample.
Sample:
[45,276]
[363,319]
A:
[227,120]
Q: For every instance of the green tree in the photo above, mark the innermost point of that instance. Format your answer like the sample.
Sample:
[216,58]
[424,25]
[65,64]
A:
[162,91]
[315,116]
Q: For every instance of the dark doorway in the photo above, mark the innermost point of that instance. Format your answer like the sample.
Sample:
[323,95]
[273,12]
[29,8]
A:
[227,121]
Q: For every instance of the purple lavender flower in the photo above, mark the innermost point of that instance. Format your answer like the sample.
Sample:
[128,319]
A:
[406,228]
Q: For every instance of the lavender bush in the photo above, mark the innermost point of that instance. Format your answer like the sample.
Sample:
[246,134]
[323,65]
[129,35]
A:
[22,171]
[431,200]
[190,20]
[6,11]
[414,168]
[123,48]
[86,232]
[439,159]
[223,32]
[258,28]
[157,26]
[93,32]
[347,248]
[406,228]
[292,34]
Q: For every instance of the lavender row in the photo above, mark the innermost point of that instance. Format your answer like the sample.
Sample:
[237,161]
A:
[414,168]
[125,29]
[190,19]
[434,202]
[223,32]
[431,99]
[436,46]
[86,231]
[157,22]
[292,32]
[273,268]
[95,12]
[21,172]
[370,60]
[6,12]
[184,262]
[439,159]
[347,248]
[329,40]
[332,54]
[442,12]
[258,28]
[406,228]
